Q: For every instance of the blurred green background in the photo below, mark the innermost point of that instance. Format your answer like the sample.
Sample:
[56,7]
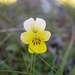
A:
[60,56]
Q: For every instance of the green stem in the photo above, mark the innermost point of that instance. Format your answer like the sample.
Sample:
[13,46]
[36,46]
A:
[34,63]
[24,61]
[14,71]
[46,63]
[31,64]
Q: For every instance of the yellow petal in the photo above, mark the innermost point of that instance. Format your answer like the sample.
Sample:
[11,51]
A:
[8,2]
[37,48]
[44,35]
[26,37]
[68,2]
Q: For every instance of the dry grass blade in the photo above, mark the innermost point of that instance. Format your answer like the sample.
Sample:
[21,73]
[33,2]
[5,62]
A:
[11,30]
[70,44]
[6,38]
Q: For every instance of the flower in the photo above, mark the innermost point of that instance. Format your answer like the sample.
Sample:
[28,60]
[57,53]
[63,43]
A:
[68,2]
[35,35]
[7,2]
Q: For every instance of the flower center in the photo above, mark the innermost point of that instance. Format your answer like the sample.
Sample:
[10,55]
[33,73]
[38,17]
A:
[36,41]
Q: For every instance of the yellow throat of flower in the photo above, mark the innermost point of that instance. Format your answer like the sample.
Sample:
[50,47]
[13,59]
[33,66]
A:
[36,41]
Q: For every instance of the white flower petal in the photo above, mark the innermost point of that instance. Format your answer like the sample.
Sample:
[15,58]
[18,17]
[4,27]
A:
[29,24]
[40,24]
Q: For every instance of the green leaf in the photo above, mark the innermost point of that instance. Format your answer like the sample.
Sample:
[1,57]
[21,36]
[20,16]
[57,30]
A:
[12,47]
